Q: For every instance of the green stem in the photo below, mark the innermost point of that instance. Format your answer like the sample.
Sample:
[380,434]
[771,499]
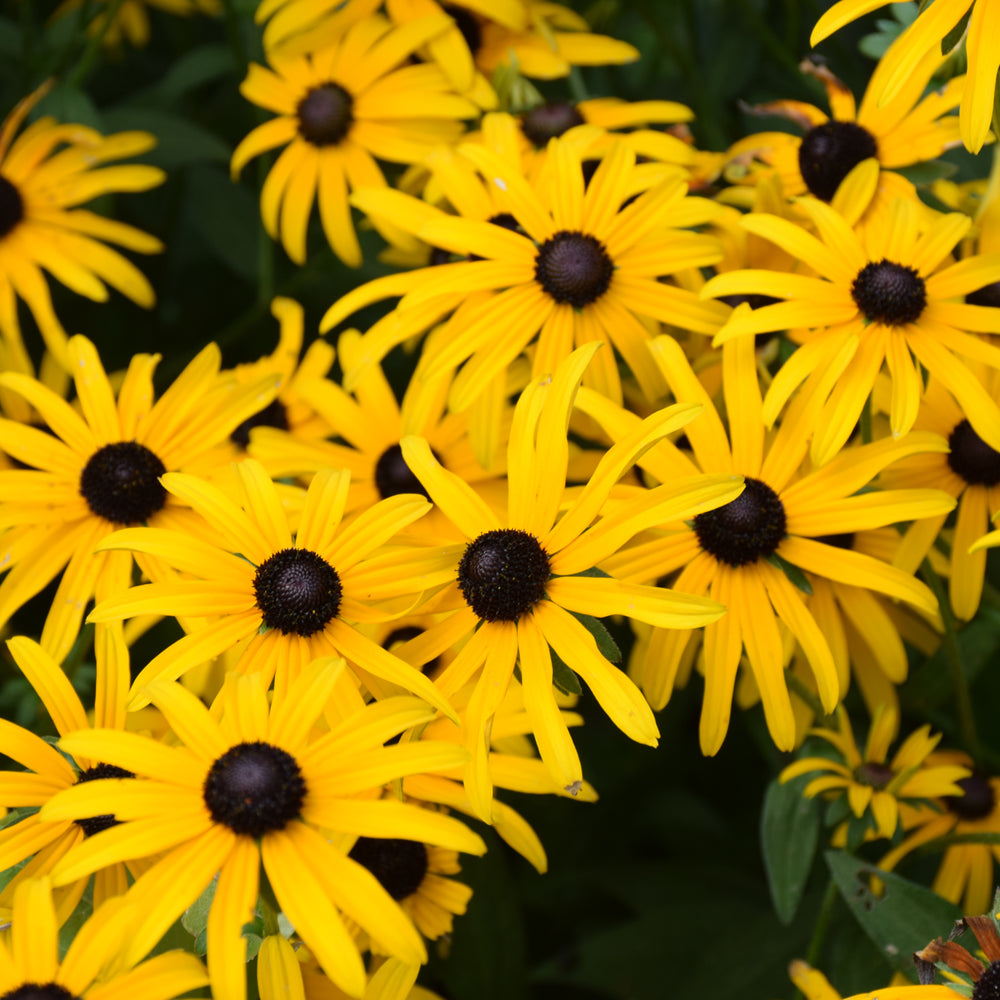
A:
[866,422]
[269,908]
[809,697]
[86,61]
[234,37]
[822,923]
[956,667]
[577,86]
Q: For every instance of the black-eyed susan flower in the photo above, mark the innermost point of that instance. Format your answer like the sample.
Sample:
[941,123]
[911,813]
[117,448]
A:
[523,578]
[568,263]
[970,472]
[737,553]
[815,986]
[46,173]
[288,411]
[890,298]
[416,874]
[92,968]
[927,33]
[47,771]
[366,427]
[340,109]
[966,873]
[874,785]
[287,598]
[258,788]
[974,975]
[910,129]
[98,470]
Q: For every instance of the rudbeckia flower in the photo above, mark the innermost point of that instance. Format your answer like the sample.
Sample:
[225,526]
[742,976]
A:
[925,35]
[47,771]
[92,966]
[875,786]
[339,107]
[910,129]
[43,229]
[586,268]
[737,554]
[889,298]
[970,471]
[288,599]
[256,788]
[966,874]
[98,470]
[367,425]
[523,579]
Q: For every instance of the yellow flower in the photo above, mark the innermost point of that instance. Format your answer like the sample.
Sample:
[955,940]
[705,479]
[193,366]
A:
[736,554]
[99,469]
[94,966]
[339,107]
[252,789]
[888,298]
[875,787]
[42,229]
[524,578]
[926,34]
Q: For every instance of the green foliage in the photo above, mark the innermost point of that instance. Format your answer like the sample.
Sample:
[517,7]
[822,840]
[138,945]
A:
[789,833]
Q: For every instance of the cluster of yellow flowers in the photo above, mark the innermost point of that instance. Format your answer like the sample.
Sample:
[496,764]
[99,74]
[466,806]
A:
[731,397]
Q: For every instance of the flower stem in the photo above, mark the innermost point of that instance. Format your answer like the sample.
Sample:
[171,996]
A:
[86,60]
[956,666]
[822,923]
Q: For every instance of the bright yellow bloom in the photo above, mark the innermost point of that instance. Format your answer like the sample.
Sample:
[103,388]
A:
[94,966]
[873,785]
[735,554]
[891,298]
[99,469]
[524,578]
[42,229]
[339,108]
[925,35]
[255,788]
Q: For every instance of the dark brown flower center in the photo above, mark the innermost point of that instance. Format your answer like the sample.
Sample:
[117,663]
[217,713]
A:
[988,985]
[121,483]
[888,293]
[273,415]
[829,152]
[875,775]
[549,121]
[503,574]
[977,800]
[842,540]
[325,115]
[467,24]
[971,457]
[297,591]
[11,207]
[573,268]
[393,475]
[95,824]
[399,865]
[745,529]
[988,295]
[38,991]
[254,788]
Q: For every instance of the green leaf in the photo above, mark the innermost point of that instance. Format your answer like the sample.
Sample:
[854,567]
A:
[794,574]
[179,141]
[72,106]
[904,918]
[608,647]
[789,833]
[563,677]
[923,174]
[594,571]
[224,215]
[195,917]
[189,71]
